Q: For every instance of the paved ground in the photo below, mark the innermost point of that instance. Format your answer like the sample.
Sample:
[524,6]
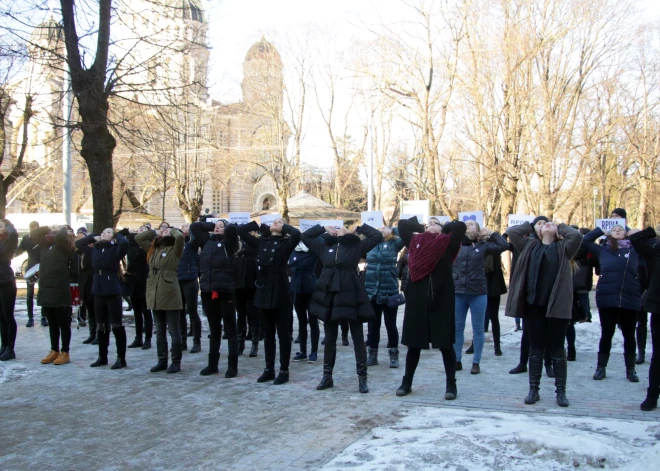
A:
[75,417]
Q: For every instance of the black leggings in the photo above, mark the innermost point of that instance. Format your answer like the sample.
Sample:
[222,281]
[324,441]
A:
[221,309]
[626,319]
[247,314]
[448,358]
[383,310]
[301,303]
[545,332]
[189,291]
[642,330]
[8,326]
[277,320]
[331,329]
[59,323]
[654,369]
[493,314]
[524,347]
[144,322]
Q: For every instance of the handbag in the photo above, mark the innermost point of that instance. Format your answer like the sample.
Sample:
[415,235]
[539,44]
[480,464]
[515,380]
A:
[396,300]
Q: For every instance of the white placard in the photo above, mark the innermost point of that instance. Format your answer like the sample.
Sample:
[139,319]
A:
[305,224]
[607,224]
[373,218]
[477,216]
[416,208]
[239,218]
[336,223]
[213,220]
[518,219]
[443,219]
[268,219]
[420,217]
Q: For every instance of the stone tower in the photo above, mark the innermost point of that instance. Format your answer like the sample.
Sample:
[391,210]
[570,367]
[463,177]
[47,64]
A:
[263,81]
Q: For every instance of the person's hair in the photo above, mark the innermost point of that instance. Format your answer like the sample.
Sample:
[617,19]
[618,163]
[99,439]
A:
[6,221]
[164,222]
[34,224]
[159,242]
[349,223]
[436,220]
[613,243]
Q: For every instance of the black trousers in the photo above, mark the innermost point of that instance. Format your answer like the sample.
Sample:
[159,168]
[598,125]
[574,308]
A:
[331,330]
[493,315]
[642,330]
[448,358]
[221,310]
[277,321]
[301,303]
[143,320]
[525,346]
[654,369]
[626,319]
[189,291]
[109,316]
[30,301]
[383,310]
[8,327]
[543,332]
[247,314]
[88,301]
[59,324]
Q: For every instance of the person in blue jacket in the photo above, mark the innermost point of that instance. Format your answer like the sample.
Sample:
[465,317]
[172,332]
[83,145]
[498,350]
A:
[381,282]
[618,295]
[187,274]
[303,266]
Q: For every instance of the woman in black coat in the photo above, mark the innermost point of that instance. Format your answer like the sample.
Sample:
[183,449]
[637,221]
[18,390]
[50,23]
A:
[303,265]
[272,294]
[8,328]
[647,245]
[245,268]
[429,314]
[137,272]
[339,295]
[216,268]
[109,250]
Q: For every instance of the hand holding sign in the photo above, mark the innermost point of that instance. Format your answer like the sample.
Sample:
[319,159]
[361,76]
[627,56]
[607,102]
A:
[373,219]
[606,225]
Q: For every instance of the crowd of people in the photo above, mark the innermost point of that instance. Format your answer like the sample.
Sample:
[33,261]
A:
[253,277]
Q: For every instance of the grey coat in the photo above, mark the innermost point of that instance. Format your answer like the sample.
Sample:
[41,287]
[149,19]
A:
[561,298]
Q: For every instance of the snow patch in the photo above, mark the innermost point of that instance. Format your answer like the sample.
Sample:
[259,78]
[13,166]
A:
[12,371]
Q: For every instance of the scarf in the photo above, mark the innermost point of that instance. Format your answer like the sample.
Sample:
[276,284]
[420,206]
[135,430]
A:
[624,244]
[424,252]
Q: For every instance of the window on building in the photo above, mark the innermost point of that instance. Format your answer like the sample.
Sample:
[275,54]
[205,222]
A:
[217,201]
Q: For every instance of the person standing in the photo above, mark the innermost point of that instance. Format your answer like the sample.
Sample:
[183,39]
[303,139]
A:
[582,285]
[216,270]
[54,295]
[137,272]
[187,274]
[8,327]
[429,313]
[646,243]
[618,295]
[245,269]
[164,249]
[471,288]
[381,282]
[541,292]
[303,265]
[108,252]
[29,244]
[86,283]
[273,295]
[339,295]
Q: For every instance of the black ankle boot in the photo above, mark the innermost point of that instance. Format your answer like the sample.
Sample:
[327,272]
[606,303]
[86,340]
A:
[405,388]
[232,367]
[197,346]
[267,375]
[601,366]
[147,343]
[362,384]
[282,377]
[89,339]
[119,364]
[651,401]
[254,349]
[160,366]
[212,367]
[451,392]
[137,342]
[521,368]
[100,362]
[174,368]
[326,382]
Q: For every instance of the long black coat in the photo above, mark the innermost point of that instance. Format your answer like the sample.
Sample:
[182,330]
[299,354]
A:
[216,263]
[339,295]
[495,275]
[137,269]
[272,257]
[648,246]
[429,314]
[53,269]
[245,267]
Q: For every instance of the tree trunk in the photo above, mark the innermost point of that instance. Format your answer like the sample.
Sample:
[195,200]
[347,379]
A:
[97,151]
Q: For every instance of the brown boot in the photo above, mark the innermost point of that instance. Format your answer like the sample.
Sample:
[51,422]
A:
[50,358]
[62,359]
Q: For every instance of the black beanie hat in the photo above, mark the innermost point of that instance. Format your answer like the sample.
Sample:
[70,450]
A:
[621,212]
[539,218]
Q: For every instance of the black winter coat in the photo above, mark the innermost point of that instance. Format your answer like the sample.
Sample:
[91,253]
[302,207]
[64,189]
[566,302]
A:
[245,267]
[272,256]
[339,295]
[469,267]
[495,275]
[188,268]
[137,269]
[74,268]
[648,246]
[402,271]
[53,268]
[106,262]
[29,243]
[583,278]
[302,267]
[429,313]
[216,263]
[86,278]
[7,250]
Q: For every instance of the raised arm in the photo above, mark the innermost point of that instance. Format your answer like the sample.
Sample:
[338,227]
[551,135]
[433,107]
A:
[589,242]
[373,238]
[85,241]
[456,231]
[231,237]
[200,232]
[572,239]
[496,244]
[144,239]
[244,233]
[123,246]
[311,238]
[294,235]
[646,243]
[407,227]
[518,235]
[62,240]
[179,242]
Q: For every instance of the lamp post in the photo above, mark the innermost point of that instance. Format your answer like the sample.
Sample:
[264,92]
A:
[595,191]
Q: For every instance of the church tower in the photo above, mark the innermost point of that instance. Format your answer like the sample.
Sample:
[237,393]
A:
[263,82]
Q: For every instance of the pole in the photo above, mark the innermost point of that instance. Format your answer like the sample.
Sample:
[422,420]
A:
[370,190]
[66,146]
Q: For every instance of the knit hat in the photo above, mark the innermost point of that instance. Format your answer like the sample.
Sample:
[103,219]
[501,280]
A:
[539,218]
[82,230]
[620,212]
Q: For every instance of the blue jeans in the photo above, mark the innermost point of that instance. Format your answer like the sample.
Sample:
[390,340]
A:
[477,305]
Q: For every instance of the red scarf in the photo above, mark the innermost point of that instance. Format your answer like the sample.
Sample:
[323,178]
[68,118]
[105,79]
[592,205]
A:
[424,251]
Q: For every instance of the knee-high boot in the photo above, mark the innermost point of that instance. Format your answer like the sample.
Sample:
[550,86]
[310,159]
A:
[329,355]
[561,373]
[232,359]
[161,351]
[535,372]
[120,339]
[103,336]
[361,367]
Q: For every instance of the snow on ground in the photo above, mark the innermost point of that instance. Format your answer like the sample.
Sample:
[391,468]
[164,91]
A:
[11,370]
[453,439]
